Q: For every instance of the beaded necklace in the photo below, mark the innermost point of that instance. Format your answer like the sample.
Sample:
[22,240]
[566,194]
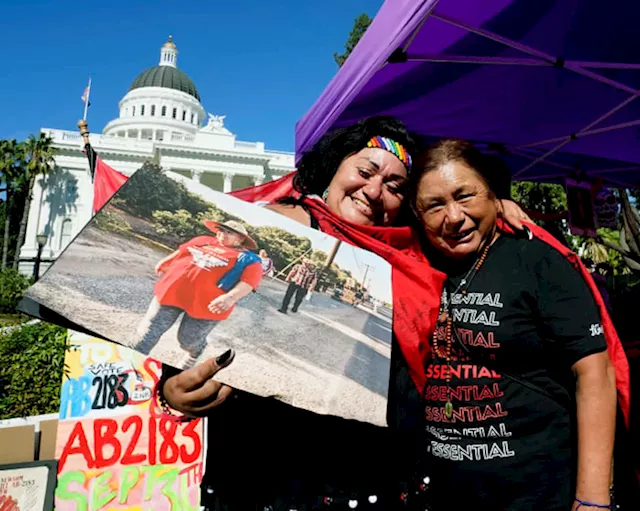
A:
[445,318]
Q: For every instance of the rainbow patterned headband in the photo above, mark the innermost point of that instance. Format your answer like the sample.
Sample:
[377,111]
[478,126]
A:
[393,147]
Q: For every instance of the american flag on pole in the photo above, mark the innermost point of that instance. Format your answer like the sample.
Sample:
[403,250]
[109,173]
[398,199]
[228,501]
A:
[85,99]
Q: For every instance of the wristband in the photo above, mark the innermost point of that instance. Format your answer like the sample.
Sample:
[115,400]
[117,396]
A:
[166,409]
[591,504]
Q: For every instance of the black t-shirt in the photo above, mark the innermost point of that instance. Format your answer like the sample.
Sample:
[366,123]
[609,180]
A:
[510,444]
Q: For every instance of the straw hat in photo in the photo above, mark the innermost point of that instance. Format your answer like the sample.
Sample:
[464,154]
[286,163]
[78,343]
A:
[234,227]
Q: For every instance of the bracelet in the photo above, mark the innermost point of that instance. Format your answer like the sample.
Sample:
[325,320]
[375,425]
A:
[591,504]
[166,409]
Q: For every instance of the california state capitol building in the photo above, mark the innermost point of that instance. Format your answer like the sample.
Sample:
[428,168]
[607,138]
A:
[161,119]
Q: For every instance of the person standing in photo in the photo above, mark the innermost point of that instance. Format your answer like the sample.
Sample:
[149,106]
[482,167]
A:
[267,263]
[302,279]
[201,281]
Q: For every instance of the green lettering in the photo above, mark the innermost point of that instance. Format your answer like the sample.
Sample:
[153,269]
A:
[169,478]
[63,492]
[101,494]
[184,494]
[129,477]
[165,475]
[153,471]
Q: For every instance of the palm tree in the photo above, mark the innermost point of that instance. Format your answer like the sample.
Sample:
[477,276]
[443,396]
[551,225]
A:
[629,243]
[593,251]
[10,159]
[39,161]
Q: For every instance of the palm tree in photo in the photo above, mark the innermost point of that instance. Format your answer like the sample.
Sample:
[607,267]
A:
[39,154]
[11,153]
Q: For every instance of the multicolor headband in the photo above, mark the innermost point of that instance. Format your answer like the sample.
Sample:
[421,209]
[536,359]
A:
[393,147]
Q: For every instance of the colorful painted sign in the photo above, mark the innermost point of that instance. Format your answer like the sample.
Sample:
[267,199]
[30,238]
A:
[115,449]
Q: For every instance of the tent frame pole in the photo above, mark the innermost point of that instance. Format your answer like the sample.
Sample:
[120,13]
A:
[535,53]
[583,133]
[557,62]
[594,123]
[510,61]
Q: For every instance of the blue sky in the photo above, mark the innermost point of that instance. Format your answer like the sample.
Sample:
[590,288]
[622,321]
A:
[260,63]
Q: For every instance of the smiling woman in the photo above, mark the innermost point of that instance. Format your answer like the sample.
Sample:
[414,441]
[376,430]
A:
[360,171]
[455,202]
[518,355]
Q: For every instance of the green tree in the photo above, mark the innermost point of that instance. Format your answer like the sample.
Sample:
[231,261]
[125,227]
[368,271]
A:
[150,189]
[31,370]
[175,227]
[628,242]
[181,224]
[548,202]
[38,161]
[12,288]
[360,26]
[11,155]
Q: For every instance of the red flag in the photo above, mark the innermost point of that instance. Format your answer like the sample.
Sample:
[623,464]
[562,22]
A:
[106,182]
[268,192]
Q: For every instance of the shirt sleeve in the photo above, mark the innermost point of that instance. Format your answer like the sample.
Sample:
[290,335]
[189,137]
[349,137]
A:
[252,274]
[569,314]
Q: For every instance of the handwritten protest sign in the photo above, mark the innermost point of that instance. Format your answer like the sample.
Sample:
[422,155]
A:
[27,486]
[115,450]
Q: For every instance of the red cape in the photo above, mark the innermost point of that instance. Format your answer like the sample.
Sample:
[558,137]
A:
[417,286]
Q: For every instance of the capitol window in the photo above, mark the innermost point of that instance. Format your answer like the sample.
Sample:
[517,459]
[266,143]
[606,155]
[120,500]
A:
[65,232]
[191,118]
[153,110]
[174,113]
[142,110]
[164,111]
[133,111]
[184,115]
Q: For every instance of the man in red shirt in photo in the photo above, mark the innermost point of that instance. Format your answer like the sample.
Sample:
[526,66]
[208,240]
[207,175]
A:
[202,281]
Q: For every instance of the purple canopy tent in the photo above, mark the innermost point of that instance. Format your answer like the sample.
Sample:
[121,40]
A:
[551,86]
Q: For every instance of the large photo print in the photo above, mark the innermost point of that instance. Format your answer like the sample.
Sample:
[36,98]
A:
[182,273]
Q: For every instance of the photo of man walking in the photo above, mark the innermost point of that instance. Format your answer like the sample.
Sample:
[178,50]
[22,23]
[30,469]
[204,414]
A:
[200,283]
[302,279]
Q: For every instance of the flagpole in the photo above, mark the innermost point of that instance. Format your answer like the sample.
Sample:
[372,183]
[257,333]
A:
[86,101]
[84,132]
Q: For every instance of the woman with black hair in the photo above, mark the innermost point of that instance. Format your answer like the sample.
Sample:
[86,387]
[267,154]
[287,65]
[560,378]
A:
[260,449]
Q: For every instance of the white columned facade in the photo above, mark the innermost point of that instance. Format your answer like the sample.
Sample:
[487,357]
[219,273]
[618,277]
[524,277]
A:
[206,151]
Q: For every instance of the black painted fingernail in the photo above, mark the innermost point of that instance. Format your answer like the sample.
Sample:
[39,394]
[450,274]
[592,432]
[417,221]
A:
[224,358]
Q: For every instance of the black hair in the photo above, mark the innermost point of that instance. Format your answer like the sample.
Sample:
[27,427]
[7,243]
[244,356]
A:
[318,166]
[492,169]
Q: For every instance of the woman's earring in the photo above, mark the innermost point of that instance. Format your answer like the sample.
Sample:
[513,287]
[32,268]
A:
[325,195]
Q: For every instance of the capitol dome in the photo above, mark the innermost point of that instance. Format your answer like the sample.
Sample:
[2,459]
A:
[162,103]
[166,75]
